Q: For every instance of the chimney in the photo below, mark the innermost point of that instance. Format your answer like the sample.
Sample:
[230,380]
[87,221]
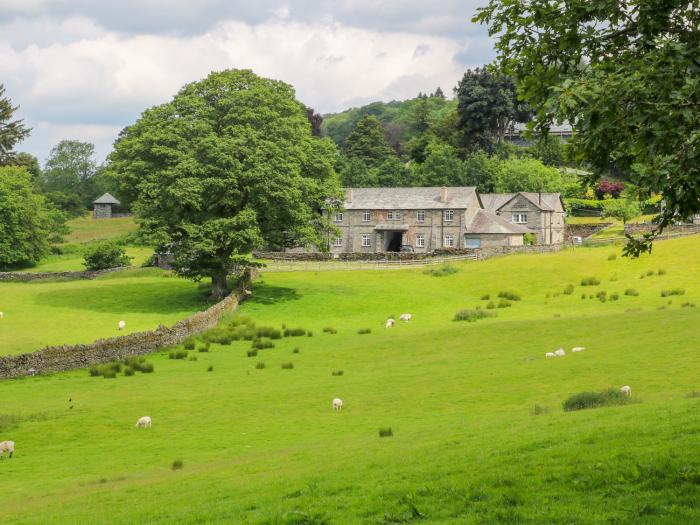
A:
[348,195]
[539,196]
[443,194]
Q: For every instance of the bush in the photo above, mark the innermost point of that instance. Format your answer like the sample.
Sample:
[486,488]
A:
[109,374]
[614,296]
[511,296]
[688,305]
[177,354]
[590,281]
[259,365]
[261,345]
[503,304]
[491,305]
[486,297]
[441,271]
[385,432]
[472,315]
[631,292]
[363,331]
[584,400]
[608,187]
[569,289]
[177,464]
[269,332]
[310,334]
[105,255]
[337,373]
[295,351]
[203,348]
[94,371]
[252,353]
[674,291]
[211,368]
[128,371]
[602,295]
[147,368]
[193,357]
[329,330]
[189,343]
[583,296]
[287,366]
[650,273]
[661,271]
[612,257]
[529,239]
[294,332]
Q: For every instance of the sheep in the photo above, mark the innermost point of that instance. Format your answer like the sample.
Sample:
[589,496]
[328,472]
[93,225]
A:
[550,355]
[578,348]
[406,317]
[627,390]
[2,315]
[337,404]
[560,352]
[121,325]
[143,422]
[7,446]
[389,323]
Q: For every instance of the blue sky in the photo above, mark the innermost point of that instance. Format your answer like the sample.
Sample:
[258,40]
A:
[84,69]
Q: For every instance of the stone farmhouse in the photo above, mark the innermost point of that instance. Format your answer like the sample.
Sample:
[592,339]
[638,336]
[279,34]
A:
[425,219]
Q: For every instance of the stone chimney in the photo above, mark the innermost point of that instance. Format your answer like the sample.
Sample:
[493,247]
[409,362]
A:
[443,194]
[348,195]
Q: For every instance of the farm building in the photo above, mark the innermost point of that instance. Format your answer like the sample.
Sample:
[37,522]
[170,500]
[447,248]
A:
[103,206]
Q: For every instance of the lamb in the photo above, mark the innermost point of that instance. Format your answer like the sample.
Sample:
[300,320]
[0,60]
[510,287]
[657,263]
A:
[337,404]
[406,317]
[144,422]
[389,323]
[578,348]
[7,446]
[121,325]
[560,352]
[627,390]
[550,355]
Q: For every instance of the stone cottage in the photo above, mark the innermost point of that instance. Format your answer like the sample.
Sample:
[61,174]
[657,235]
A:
[103,206]
[420,220]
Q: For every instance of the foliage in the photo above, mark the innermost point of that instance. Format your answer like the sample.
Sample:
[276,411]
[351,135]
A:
[673,291]
[525,174]
[11,131]
[228,165]
[590,281]
[472,315]
[608,187]
[104,255]
[28,224]
[584,400]
[441,271]
[511,296]
[530,239]
[367,143]
[627,77]
[622,209]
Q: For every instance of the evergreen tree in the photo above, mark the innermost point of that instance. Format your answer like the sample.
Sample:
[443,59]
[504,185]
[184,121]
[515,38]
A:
[11,131]
[367,142]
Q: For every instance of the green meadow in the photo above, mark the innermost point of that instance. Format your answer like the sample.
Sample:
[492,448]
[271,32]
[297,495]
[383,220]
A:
[475,410]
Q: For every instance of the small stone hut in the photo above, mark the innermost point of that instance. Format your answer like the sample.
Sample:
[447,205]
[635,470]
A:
[103,207]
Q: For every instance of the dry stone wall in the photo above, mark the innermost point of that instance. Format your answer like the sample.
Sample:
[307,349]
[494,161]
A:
[39,276]
[584,230]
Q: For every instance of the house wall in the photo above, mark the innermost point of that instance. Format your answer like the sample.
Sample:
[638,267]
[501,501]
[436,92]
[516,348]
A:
[493,240]
[102,211]
[547,225]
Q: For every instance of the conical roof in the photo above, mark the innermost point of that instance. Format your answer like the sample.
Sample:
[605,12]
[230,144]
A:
[106,199]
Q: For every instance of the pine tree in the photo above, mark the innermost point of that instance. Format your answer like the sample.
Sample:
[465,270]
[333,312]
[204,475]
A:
[11,131]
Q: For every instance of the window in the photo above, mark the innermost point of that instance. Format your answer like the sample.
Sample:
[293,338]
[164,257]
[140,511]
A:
[449,241]
[420,215]
[393,215]
[338,241]
[472,243]
[448,215]
[366,216]
[338,217]
[390,215]
[420,240]
[519,218]
[366,240]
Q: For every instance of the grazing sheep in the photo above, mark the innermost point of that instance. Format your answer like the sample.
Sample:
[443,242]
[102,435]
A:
[406,317]
[144,422]
[121,325]
[337,404]
[627,390]
[560,352]
[578,348]
[2,315]
[7,446]
[550,355]
[389,323]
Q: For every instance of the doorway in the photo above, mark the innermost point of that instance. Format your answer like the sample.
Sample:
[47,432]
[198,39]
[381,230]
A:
[392,241]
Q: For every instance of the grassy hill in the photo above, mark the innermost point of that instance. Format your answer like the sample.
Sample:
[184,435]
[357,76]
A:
[479,434]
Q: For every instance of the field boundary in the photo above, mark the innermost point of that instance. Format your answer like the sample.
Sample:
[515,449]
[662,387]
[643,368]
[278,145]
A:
[69,275]
[67,357]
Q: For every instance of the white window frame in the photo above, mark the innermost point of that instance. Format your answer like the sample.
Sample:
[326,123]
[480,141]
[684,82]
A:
[390,215]
[366,216]
[366,241]
[518,217]
[448,215]
[420,240]
[338,242]
[339,216]
[448,241]
[420,216]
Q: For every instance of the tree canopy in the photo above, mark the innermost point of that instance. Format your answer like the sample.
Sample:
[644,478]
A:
[626,76]
[230,164]
[11,131]
[367,142]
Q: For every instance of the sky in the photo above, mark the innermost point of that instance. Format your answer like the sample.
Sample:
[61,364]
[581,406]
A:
[84,69]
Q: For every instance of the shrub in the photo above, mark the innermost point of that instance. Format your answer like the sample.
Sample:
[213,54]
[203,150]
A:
[491,305]
[261,344]
[608,187]
[105,255]
[385,432]
[602,295]
[584,400]
[337,373]
[511,296]
[363,331]
[310,334]
[147,368]
[583,296]
[674,291]
[128,371]
[193,357]
[538,410]
[688,305]
[569,289]
[589,281]
[177,464]
[287,366]
[529,239]
[211,368]
[189,343]
[252,353]
[94,371]
[661,271]
[486,297]
[294,332]
[503,304]
[441,271]
[650,273]
[203,348]
[109,374]
[177,354]
[259,365]
[631,292]
[269,332]
[295,351]
[590,296]
[329,330]
[472,315]
[612,257]
[614,296]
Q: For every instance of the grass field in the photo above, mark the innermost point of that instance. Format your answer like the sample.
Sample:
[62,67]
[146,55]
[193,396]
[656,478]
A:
[86,229]
[44,313]
[468,446]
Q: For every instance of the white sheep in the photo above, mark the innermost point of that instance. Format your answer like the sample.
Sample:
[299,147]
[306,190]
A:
[578,348]
[560,352]
[121,325]
[389,323]
[2,315]
[627,390]
[406,317]
[337,404]
[7,446]
[143,422]
[550,355]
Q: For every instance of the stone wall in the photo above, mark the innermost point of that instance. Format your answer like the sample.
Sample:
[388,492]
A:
[67,357]
[584,230]
[39,276]
[639,229]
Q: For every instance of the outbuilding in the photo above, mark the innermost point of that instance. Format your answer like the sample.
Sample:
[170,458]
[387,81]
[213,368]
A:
[103,207]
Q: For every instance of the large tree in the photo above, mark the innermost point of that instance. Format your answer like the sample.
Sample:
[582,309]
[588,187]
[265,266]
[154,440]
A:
[625,75]
[67,176]
[28,223]
[11,131]
[228,165]
[367,142]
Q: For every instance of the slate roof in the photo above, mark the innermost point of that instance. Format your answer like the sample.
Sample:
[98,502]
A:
[106,199]
[408,198]
[543,201]
[486,222]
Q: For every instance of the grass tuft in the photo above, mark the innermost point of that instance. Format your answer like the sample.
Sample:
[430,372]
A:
[364,331]
[210,368]
[569,289]
[287,366]
[441,271]
[538,410]
[252,353]
[472,315]
[688,304]
[259,365]
[612,257]
[511,296]
[329,330]
[337,373]
[631,292]
[385,432]
[486,297]
[177,464]
[590,281]
[672,291]
[503,303]
[177,354]
[585,400]
[294,332]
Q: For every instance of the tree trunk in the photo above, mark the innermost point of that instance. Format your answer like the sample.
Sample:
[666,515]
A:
[219,286]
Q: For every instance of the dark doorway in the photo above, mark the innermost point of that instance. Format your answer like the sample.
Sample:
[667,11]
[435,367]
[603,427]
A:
[392,241]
